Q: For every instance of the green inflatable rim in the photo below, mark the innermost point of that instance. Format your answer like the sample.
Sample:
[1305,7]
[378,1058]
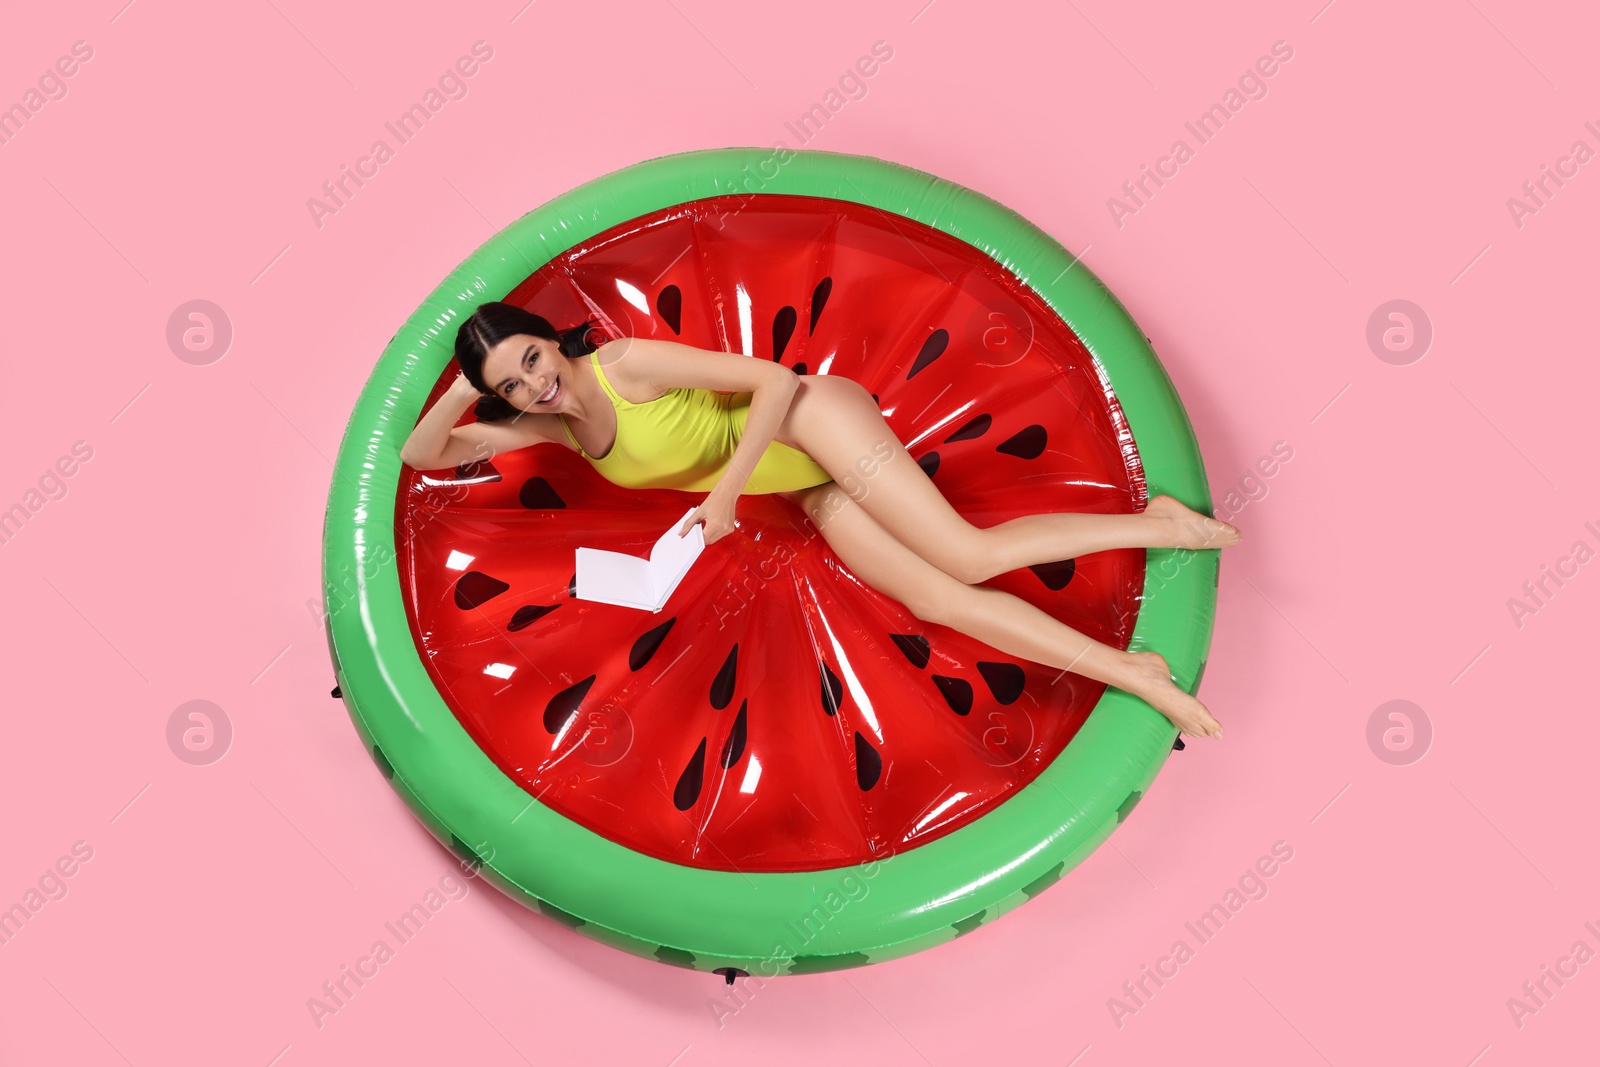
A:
[761,923]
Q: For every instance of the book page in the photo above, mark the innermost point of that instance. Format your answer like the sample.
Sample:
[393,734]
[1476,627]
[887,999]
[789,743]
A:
[614,578]
[628,581]
[672,556]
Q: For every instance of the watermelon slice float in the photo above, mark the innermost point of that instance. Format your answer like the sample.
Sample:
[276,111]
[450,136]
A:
[784,770]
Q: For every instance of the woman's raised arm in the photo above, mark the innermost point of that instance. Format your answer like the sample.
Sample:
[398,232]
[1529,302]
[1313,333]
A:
[437,442]
[426,446]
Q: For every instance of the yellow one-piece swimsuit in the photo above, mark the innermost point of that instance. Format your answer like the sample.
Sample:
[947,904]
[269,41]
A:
[683,439]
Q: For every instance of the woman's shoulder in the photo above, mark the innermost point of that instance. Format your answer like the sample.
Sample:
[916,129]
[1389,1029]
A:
[614,364]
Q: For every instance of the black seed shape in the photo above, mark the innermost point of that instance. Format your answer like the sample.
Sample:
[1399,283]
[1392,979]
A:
[817,964]
[1005,680]
[722,686]
[929,463]
[832,690]
[782,329]
[529,614]
[957,692]
[1045,880]
[819,300]
[976,426]
[572,585]
[538,495]
[868,763]
[675,956]
[733,747]
[1178,745]
[669,304]
[337,693]
[475,588]
[384,766]
[1055,575]
[564,705]
[915,647]
[932,349]
[968,924]
[730,973]
[477,468]
[565,918]
[1127,804]
[648,643]
[799,368]
[1026,443]
[687,791]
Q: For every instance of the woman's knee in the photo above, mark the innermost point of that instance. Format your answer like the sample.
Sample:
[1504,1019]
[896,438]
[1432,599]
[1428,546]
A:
[816,407]
[855,388]
[975,565]
[971,562]
[835,383]
[936,602]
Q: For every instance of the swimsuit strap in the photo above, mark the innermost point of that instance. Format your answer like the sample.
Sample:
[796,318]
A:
[594,361]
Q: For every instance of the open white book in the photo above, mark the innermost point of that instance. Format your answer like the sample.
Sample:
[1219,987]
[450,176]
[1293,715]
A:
[631,582]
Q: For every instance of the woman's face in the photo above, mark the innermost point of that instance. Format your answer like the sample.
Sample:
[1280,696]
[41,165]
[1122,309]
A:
[529,373]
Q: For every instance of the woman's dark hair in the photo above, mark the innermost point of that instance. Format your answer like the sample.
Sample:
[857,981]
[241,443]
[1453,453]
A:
[494,322]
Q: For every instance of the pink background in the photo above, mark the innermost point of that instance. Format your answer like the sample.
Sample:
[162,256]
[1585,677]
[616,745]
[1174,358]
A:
[182,563]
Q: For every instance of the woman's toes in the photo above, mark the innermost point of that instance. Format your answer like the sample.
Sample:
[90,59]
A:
[1221,534]
[1200,531]
[1201,724]
[1190,528]
[1155,685]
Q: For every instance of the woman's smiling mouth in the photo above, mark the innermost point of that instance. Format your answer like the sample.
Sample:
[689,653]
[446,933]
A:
[554,391]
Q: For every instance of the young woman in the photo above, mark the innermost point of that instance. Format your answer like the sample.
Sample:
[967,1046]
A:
[647,414]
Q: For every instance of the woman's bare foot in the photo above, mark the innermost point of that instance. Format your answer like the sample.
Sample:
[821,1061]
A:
[1153,683]
[1190,529]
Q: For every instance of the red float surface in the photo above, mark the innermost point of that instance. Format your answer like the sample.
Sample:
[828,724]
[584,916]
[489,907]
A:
[778,714]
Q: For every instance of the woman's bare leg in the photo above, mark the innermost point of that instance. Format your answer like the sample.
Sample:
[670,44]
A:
[1165,523]
[999,619]
[837,423]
